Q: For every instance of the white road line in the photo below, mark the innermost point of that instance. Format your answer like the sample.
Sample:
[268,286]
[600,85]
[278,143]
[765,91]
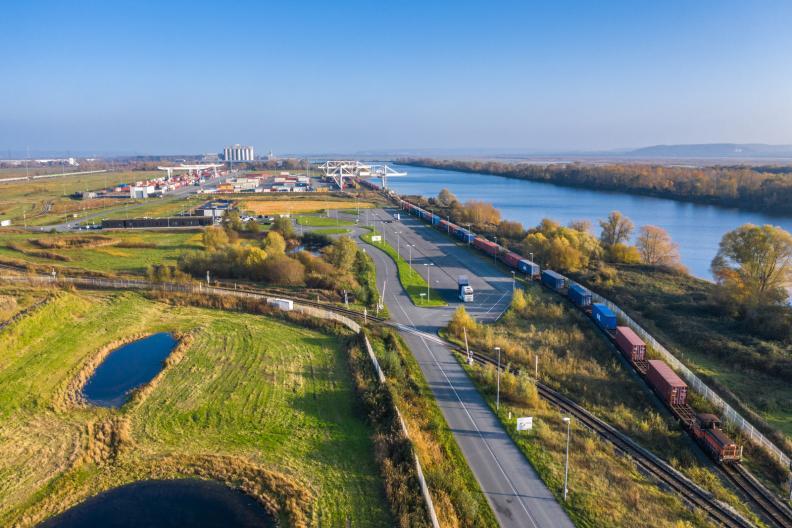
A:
[470,417]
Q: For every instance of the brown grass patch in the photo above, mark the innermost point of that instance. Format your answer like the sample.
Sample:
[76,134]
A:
[268,207]
[72,242]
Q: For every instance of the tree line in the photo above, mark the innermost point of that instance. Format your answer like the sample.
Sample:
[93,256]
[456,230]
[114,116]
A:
[753,266]
[757,188]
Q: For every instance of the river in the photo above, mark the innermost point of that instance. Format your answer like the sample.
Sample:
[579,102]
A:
[696,228]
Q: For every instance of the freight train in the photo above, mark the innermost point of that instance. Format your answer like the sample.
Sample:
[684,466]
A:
[669,387]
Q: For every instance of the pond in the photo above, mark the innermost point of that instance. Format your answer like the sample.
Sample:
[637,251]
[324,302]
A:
[127,368]
[166,503]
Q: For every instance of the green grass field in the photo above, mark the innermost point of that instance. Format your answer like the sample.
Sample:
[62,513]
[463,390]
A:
[322,221]
[250,392]
[113,258]
[413,283]
[331,231]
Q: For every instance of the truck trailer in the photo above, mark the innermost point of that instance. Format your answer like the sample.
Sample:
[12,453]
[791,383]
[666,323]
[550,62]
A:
[464,289]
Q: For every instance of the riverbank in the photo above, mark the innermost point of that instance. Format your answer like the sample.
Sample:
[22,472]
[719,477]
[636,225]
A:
[737,186]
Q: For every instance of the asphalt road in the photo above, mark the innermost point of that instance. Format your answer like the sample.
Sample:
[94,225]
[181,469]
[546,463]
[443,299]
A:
[517,495]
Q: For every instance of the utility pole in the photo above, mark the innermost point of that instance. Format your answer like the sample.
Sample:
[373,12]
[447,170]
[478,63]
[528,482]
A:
[567,420]
[497,394]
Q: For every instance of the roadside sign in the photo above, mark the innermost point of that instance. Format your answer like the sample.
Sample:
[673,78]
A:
[376,238]
[525,423]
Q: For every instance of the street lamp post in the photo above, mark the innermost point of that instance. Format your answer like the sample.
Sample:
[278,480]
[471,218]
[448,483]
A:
[469,238]
[514,282]
[398,242]
[567,420]
[410,246]
[497,394]
[531,256]
[428,278]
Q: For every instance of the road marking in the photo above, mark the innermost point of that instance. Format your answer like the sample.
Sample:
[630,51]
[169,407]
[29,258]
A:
[467,412]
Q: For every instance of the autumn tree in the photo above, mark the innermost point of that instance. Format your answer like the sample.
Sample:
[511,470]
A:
[510,230]
[446,198]
[754,265]
[460,322]
[214,237]
[253,227]
[616,229]
[584,226]
[479,212]
[280,269]
[283,225]
[561,248]
[341,253]
[274,243]
[232,222]
[656,247]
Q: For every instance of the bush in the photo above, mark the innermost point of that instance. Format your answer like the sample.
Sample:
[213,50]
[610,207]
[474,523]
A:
[280,269]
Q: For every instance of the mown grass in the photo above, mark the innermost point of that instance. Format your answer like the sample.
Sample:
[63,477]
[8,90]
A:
[249,391]
[412,281]
[576,359]
[332,231]
[322,221]
[165,248]
[153,208]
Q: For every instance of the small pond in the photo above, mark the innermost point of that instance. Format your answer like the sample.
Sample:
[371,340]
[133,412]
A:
[164,504]
[127,368]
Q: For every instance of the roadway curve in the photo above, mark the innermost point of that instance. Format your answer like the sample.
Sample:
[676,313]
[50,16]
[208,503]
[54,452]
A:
[517,495]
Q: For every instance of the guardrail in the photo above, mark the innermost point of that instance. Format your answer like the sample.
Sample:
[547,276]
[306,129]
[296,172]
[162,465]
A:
[729,413]
[201,289]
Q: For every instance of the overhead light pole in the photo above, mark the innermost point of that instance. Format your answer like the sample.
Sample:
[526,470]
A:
[410,246]
[497,394]
[398,242]
[567,420]
[514,282]
[428,278]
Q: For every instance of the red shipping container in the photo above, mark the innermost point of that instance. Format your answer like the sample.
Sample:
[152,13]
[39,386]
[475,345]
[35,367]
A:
[629,343]
[511,259]
[666,383]
[486,246]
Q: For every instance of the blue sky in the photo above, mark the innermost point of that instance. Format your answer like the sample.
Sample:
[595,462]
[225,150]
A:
[167,77]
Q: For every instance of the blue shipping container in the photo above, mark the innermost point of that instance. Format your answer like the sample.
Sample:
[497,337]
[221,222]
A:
[603,316]
[528,267]
[579,295]
[553,280]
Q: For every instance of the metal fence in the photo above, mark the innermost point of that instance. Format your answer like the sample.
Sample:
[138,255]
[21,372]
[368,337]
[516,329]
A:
[729,413]
[200,288]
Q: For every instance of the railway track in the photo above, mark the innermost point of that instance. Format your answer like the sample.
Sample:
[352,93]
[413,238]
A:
[651,464]
[772,509]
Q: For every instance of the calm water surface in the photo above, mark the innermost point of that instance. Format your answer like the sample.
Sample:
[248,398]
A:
[696,228]
[165,504]
[127,368]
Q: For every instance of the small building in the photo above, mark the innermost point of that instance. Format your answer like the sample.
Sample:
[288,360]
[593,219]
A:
[5,223]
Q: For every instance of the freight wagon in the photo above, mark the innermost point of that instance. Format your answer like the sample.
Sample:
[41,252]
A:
[554,281]
[665,382]
[603,316]
[659,376]
[490,248]
[629,343]
[579,296]
[529,268]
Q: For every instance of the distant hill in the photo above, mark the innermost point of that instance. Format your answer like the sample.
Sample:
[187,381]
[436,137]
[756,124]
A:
[713,150]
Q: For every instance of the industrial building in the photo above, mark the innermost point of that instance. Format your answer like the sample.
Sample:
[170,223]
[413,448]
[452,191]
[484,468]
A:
[238,153]
[176,221]
[214,208]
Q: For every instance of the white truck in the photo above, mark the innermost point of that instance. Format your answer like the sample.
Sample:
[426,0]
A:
[464,289]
